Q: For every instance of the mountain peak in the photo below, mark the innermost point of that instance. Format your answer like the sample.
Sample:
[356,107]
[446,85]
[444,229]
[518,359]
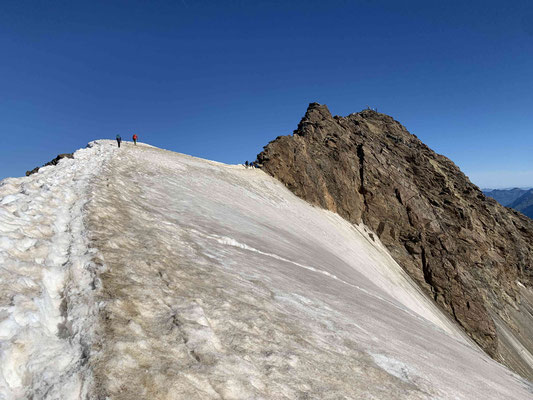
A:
[464,250]
[315,114]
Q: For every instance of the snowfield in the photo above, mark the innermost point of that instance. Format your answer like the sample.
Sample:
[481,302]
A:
[139,273]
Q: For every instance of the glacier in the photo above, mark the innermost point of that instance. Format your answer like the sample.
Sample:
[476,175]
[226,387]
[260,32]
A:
[140,273]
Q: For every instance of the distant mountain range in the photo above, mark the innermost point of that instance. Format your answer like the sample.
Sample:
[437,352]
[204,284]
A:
[519,199]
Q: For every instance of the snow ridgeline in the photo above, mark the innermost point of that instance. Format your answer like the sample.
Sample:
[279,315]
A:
[218,284]
[47,279]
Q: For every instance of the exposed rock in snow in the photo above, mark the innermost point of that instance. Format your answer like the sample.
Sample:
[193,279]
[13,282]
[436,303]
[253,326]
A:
[190,279]
[55,161]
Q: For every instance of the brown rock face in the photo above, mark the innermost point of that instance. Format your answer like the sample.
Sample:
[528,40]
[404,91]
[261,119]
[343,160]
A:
[470,254]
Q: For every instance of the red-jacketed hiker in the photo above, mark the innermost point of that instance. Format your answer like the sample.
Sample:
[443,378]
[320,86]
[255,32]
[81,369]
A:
[135,139]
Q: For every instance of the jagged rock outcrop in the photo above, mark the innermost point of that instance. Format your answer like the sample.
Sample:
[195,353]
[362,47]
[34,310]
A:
[469,253]
[52,162]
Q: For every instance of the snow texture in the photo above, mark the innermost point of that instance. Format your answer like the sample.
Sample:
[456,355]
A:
[46,279]
[138,273]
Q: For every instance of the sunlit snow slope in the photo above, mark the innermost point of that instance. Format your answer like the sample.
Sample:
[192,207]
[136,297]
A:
[138,273]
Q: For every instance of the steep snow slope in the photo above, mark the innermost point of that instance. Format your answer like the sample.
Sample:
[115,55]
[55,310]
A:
[213,282]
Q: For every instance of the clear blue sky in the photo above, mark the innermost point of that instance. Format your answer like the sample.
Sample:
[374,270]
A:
[220,79]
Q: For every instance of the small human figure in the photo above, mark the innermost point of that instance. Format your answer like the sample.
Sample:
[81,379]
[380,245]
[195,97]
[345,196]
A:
[246,164]
[119,140]
[135,139]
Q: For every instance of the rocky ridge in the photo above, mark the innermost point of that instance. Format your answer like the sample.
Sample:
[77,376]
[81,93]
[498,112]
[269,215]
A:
[52,162]
[473,256]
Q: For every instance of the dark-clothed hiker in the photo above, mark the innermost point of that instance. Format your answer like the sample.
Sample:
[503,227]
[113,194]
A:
[135,139]
[119,140]
[246,164]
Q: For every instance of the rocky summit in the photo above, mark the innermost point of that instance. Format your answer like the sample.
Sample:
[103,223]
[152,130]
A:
[473,256]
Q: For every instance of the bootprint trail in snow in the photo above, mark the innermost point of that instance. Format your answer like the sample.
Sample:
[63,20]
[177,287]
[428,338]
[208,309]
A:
[47,280]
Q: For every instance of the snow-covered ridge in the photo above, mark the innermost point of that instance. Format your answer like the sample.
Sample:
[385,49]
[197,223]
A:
[46,275]
[190,279]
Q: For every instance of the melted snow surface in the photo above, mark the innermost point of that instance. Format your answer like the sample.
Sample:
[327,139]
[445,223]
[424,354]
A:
[218,284]
[47,279]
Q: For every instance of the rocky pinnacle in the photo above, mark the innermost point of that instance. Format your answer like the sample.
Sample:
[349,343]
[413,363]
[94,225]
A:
[473,256]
